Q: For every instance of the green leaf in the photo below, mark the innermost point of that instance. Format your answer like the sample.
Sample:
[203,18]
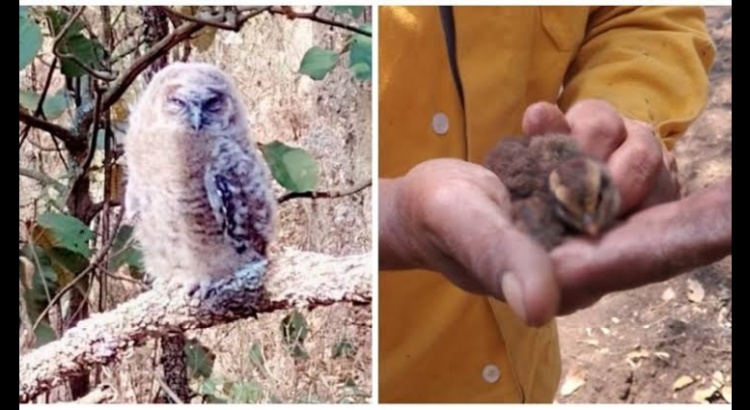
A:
[58,18]
[29,39]
[207,387]
[256,355]
[362,71]
[199,359]
[53,107]
[88,51]
[355,11]
[44,334]
[246,392]
[344,349]
[68,264]
[126,253]
[274,400]
[360,54]
[64,231]
[318,62]
[294,330]
[212,399]
[293,168]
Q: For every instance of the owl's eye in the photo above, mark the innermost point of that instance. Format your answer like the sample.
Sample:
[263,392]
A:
[213,104]
[177,102]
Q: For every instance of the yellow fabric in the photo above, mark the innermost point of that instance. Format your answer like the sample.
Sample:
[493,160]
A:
[650,63]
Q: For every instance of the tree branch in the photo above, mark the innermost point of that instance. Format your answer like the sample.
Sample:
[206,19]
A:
[293,278]
[218,23]
[66,136]
[329,194]
[58,40]
[42,178]
[321,20]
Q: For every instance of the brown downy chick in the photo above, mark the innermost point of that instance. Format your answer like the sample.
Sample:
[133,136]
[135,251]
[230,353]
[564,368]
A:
[556,189]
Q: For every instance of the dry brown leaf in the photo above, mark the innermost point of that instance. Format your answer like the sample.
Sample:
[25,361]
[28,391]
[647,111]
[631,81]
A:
[662,355]
[702,396]
[638,354]
[717,379]
[668,295]
[696,293]
[203,40]
[726,393]
[573,381]
[682,382]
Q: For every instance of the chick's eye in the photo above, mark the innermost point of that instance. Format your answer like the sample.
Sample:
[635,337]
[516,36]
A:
[212,104]
[177,102]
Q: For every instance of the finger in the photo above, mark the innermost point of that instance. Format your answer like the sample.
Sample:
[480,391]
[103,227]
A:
[636,165]
[597,127]
[543,118]
[667,186]
[505,261]
[652,246]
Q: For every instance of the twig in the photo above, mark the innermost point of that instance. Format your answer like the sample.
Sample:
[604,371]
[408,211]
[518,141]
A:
[313,17]
[95,132]
[292,279]
[172,395]
[58,40]
[255,12]
[218,23]
[42,178]
[117,17]
[127,35]
[63,134]
[128,51]
[330,194]
[39,111]
[118,87]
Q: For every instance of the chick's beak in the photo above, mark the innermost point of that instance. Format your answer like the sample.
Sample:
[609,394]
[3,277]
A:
[196,117]
[590,226]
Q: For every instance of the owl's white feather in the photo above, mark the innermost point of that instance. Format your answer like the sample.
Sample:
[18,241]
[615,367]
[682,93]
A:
[199,187]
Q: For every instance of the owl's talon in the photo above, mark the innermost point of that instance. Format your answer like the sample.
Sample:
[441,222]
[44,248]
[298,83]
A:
[201,288]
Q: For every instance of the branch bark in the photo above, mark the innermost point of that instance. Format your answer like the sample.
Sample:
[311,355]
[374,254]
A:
[330,194]
[68,138]
[293,278]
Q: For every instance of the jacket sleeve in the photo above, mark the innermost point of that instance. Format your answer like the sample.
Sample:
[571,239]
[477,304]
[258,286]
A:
[650,63]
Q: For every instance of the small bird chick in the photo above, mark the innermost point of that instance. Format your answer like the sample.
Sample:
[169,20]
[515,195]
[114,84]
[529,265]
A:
[200,190]
[555,188]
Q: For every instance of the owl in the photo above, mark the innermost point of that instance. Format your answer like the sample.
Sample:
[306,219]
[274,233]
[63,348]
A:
[199,190]
[555,188]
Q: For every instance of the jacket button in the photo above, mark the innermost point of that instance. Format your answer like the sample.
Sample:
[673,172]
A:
[491,373]
[440,123]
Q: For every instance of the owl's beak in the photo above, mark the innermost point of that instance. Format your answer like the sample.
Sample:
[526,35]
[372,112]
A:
[196,118]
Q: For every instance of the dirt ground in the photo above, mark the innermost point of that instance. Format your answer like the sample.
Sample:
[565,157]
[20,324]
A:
[670,342]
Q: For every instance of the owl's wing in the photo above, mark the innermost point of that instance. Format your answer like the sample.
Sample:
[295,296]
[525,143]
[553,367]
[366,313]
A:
[239,194]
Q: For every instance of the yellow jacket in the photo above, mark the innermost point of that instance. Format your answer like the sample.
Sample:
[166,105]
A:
[437,343]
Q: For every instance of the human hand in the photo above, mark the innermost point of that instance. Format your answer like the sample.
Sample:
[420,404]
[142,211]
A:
[660,239]
[651,246]
[644,173]
[454,217]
